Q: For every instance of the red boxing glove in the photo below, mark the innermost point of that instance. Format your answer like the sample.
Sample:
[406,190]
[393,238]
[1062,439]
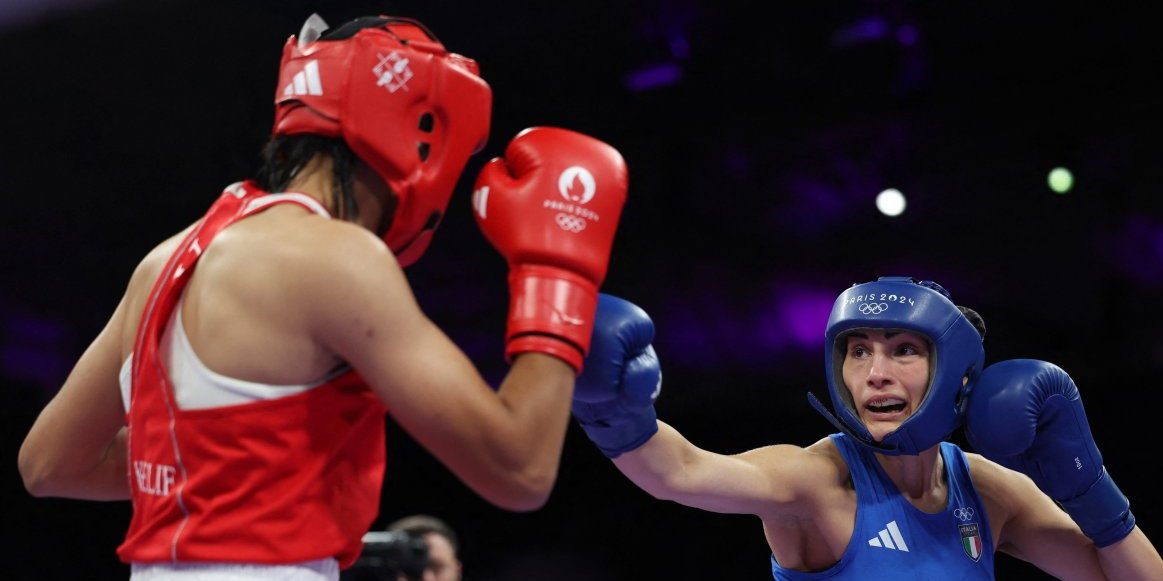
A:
[551,206]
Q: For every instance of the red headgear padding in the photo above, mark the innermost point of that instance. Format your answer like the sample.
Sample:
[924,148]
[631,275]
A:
[409,109]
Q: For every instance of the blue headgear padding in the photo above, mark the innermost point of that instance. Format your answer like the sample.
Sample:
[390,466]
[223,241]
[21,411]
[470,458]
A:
[922,307]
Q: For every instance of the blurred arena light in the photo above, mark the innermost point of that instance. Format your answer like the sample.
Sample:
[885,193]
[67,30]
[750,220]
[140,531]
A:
[1060,180]
[891,202]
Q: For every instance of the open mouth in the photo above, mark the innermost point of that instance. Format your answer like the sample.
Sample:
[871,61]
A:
[888,405]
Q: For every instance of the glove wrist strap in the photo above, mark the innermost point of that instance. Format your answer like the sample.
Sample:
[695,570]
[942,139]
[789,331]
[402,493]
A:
[623,434]
[1102,512]
[551,310]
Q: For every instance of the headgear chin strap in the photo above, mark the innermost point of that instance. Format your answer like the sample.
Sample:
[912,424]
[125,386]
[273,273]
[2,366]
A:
[408,108]
[922,307]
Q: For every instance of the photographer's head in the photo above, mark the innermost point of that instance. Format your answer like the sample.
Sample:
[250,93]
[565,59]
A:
[443,545]
[389,556]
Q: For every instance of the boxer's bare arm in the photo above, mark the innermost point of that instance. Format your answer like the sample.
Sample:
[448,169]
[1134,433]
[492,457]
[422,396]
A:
[768,481]
[1029,526]
[504,444]
[76,447]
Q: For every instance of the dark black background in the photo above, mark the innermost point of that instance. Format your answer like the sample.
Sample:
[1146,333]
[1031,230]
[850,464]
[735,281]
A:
[752,185]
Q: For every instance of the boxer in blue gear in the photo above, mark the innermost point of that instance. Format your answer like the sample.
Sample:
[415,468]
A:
[887,497]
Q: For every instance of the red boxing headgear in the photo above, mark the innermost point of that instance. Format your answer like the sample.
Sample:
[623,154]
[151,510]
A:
[411,110]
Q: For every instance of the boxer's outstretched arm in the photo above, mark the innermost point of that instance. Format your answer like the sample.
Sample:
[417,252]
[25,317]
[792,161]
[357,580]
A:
[765,481]
[614,404]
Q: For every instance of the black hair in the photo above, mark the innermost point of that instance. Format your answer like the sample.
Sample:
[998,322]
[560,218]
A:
[284,156]
[974,319]
[349,28]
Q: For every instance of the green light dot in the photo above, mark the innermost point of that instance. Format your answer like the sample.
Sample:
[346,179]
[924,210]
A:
[1061,180]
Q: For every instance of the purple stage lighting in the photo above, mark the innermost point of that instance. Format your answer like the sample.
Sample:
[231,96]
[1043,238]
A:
[653,77]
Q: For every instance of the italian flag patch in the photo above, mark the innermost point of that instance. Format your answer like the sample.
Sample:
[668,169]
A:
[971,540]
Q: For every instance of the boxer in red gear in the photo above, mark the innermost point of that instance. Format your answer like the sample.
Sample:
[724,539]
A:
[237,394]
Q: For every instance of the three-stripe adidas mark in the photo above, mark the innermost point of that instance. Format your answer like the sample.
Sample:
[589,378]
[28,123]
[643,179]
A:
[890,538]
[305,82]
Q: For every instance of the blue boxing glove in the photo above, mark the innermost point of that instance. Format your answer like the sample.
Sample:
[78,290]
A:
[613,398]
[1026,415]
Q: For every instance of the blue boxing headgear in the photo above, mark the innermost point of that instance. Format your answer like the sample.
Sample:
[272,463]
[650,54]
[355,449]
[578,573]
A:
[922,307]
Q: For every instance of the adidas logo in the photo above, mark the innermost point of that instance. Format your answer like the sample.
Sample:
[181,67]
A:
[480,201]
[890,538]
[305,82]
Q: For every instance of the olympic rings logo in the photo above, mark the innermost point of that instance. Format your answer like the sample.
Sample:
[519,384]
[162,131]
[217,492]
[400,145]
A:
[963,514]
[570,223]
[873,308]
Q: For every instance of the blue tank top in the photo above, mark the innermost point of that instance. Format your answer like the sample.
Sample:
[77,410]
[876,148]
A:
[895,540]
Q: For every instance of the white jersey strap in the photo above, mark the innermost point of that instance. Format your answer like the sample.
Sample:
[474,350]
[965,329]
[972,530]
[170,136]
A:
[263,202]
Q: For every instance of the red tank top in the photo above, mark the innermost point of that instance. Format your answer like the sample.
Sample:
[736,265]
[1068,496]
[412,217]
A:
[278,481]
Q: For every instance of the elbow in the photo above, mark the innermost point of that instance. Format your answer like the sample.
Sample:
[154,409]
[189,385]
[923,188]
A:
[524,491]
[521,502]
[44,475]
[37,488]
[37,479]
